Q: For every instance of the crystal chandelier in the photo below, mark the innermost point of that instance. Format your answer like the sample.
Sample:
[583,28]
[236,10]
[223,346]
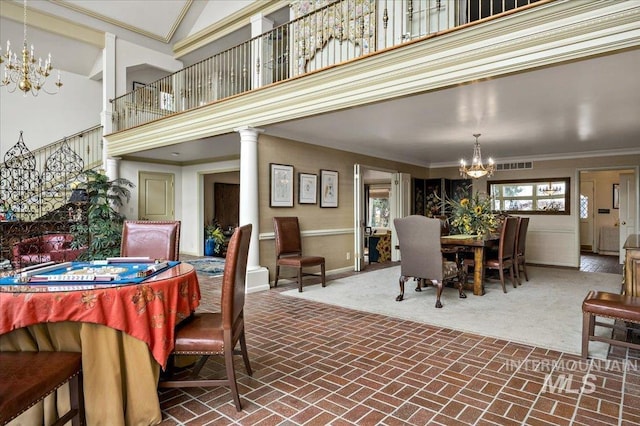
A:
[477,169]
[550,190]
[23,73]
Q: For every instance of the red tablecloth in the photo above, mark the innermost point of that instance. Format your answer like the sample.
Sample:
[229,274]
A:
[148,311]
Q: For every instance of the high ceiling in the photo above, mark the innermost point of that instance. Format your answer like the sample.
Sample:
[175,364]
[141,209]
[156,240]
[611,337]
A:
[590,107]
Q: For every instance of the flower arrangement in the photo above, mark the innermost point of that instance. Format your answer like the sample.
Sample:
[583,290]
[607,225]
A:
[472,215]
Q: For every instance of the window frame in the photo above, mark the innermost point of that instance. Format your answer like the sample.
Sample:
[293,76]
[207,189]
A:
[535,182]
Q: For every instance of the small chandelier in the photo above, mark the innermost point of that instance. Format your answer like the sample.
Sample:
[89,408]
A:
[25,74]
[477,169]
[550,190]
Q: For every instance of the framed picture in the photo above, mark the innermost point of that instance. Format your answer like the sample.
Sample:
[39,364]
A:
[307,188]
[616,195]
[137,84]
[281,184]
[328,188]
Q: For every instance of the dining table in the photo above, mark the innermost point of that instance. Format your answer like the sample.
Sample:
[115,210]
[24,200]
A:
[125,333]
[478,244]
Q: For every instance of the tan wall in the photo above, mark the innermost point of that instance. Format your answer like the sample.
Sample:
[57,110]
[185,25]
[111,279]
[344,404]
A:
[555,239]
[336,224]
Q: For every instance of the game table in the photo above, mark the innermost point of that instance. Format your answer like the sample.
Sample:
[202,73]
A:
[120,316]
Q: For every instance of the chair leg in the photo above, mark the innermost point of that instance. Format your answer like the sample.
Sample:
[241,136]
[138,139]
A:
[501,272]
[245,353]
[275,284]
[77,401]
[401,282]
[461,290]
[513,278]
[588,326]
[524,269]
[439,287]
[322,269]
[196,368]
[231,377]
[300,280]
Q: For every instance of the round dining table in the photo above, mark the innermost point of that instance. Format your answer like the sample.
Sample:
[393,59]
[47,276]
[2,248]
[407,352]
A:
[125,334]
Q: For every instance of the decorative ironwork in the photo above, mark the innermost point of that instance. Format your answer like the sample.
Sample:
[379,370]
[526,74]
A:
[34,203]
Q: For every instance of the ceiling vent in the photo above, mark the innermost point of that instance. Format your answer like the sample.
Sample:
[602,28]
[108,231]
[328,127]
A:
[521,165]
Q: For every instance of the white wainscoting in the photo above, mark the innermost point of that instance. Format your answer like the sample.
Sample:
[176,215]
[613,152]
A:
[553,247]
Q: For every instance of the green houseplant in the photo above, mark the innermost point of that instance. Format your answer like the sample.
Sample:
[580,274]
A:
[101,232]
[214,240]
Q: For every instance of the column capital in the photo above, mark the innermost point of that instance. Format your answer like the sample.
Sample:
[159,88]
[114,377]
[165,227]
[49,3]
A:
[248,129]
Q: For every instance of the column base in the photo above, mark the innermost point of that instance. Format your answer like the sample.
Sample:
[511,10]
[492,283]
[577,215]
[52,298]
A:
[257,279]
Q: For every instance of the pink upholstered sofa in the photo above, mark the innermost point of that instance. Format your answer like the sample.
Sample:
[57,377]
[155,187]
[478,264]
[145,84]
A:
[45,248]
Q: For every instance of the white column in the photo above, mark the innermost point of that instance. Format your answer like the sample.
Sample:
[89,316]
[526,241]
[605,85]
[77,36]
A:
[113,172]
[108,90]
[260,53]
[113,167]
[257,276]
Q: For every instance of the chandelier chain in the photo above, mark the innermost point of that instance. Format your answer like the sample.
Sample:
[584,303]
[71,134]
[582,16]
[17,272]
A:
[23,73]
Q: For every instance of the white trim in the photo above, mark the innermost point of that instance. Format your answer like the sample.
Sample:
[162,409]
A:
[311,233]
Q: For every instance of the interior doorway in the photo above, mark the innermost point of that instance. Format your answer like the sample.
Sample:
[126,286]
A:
[221,200]
[374,216]
[601,228]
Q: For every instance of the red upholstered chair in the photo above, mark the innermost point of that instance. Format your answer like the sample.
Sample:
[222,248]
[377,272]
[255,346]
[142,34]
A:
[154,239]
[289,250]
[218,333]
[521,241]
[26,378]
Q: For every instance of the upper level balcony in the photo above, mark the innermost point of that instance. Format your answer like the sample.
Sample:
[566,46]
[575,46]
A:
[337,33]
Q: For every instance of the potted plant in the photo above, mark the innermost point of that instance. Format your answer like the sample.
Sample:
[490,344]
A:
[214,240]
[101,230]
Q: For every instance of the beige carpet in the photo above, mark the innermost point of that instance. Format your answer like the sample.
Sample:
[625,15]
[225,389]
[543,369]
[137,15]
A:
[544,312]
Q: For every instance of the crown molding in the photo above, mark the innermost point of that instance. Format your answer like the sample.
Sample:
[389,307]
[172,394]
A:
[225,26]
[52,24]
[163,38]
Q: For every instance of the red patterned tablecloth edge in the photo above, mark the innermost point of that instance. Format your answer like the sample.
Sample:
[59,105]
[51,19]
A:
[148,312]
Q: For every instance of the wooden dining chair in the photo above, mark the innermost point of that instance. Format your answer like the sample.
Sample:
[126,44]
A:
[422,256]
[26,378]
[504,258]
[207,334]
[520,248]
[289,251]
[150,238]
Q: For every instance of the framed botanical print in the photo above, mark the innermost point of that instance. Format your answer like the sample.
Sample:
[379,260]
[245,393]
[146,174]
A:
[328,188]
[281,185]
[307,188]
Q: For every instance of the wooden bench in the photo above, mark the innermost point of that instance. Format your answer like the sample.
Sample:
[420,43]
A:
[26,378]
[608,305]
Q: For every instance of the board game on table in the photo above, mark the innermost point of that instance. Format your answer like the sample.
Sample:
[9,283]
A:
[86,275]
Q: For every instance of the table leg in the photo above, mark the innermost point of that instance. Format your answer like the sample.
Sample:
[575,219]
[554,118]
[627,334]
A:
[478,271]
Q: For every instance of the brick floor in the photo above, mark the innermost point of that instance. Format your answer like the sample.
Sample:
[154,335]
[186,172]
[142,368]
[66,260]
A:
[317,364]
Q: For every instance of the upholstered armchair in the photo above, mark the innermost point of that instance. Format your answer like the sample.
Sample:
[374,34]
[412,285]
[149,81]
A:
[421,256]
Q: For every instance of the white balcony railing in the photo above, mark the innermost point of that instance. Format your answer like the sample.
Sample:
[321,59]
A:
[335,33]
